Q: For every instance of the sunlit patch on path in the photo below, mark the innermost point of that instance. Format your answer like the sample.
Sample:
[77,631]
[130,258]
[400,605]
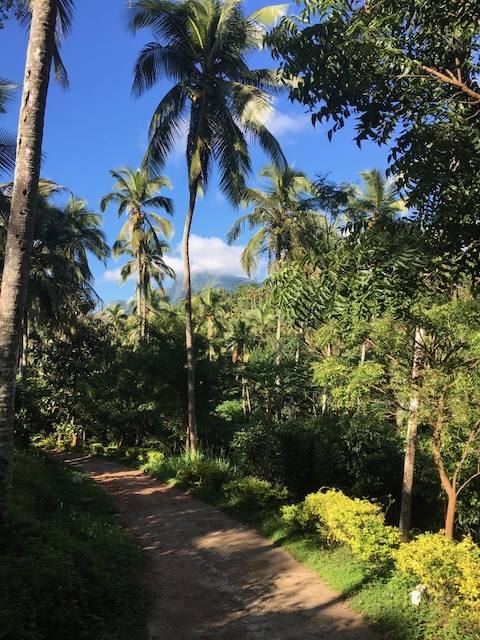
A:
[213,578]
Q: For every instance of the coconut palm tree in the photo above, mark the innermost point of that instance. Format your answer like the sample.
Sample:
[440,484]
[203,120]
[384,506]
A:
[135,192]
[150,266]
[45,27]
[7,140]
[376,202]
[202,46]
[278,215]
[60,280]
[209,311]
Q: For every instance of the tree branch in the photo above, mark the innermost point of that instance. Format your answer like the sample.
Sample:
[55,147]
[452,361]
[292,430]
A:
[449,78]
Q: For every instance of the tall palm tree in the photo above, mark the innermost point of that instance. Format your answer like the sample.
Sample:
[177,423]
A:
[150,266]
[7,140]
[60,279]
[202,46]
[41,44]
[376,202]
[279,213]
[135,192]
[209,310]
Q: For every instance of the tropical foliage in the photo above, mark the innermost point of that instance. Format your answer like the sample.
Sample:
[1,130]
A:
[346,384]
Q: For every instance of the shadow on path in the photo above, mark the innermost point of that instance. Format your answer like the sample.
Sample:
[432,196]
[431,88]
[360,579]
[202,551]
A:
[213,578]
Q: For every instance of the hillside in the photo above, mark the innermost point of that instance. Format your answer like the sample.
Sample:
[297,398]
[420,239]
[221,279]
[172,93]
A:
[202,280]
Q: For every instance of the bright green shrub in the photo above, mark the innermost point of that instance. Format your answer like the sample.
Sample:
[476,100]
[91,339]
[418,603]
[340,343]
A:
[133,453]
[97,449]
[253,493]
[354,522]
[155,458]
[202,473]
[449,570]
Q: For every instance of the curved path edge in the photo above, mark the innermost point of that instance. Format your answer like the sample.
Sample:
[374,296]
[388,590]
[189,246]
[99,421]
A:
[211,577]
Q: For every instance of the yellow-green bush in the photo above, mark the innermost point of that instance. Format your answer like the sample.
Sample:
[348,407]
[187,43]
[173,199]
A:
[154,458]
[351,521]
[253,493]
[449,570]
[202,473]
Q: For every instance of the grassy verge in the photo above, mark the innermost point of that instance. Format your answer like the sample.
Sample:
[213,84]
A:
[381,592]
[67,569]
[382,595]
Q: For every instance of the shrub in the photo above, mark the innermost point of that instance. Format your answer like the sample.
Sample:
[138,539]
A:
[202,473]
[354,522]
[155,458]
[253,493]
[97,449]
[450,572]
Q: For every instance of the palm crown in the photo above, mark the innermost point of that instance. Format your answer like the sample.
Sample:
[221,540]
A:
[201,45]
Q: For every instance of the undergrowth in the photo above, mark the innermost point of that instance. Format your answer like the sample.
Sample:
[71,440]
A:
[381,591]
[67,570]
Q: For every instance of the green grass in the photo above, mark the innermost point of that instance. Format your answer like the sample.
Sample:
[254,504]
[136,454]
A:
[67,569]
[383,598]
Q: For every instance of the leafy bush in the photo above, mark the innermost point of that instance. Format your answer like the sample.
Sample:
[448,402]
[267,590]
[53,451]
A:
[155,458]
[252,493]
[450,571]
[202,473]
[352,521]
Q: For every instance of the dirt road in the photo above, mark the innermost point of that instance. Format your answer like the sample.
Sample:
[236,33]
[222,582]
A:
[213,578]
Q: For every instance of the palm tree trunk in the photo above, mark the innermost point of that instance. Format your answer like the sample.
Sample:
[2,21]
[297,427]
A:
[24,353]
[140,319]
[412,427]
[191,442]
[278,357]
[21,225]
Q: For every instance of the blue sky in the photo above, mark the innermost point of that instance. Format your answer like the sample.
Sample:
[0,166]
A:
[97,126]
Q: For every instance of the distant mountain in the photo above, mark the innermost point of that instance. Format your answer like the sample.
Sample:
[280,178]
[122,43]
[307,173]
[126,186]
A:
[200,281]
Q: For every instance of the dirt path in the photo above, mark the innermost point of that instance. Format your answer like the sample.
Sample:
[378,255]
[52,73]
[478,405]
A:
[213,578]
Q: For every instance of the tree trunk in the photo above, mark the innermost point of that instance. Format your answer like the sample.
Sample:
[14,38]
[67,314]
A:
[268,442]
[328,353]
[25,335]
[278,380]
[140,316]
[449,487]
[191,442]
[412,427]
[21,225]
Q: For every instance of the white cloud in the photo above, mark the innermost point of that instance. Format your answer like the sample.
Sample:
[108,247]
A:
[282,124]
[211,255]
[111,275]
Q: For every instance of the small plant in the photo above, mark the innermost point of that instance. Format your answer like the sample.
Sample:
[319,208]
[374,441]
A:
[252,493]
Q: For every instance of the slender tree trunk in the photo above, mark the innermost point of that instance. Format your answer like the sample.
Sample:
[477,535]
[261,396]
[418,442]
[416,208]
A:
[449,487]
[278,379]
[328,353]
[191,425]
[24,354]
[268,442]
[412,427]
[140,316]
[21,225]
